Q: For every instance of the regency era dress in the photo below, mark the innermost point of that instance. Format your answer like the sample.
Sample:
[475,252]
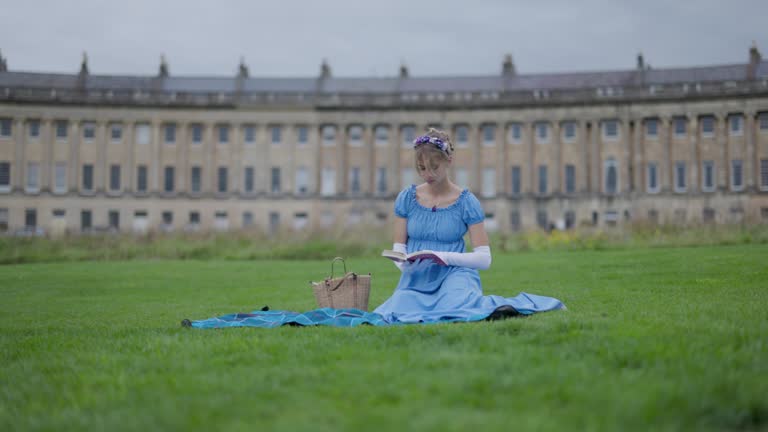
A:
[428,292]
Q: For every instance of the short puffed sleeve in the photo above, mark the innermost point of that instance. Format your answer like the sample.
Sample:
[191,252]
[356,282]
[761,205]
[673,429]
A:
[403,203]
[473,212]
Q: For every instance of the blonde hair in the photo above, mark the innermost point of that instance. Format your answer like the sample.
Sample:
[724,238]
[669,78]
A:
[431,155]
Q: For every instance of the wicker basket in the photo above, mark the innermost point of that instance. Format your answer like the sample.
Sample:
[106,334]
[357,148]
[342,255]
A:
[348,291]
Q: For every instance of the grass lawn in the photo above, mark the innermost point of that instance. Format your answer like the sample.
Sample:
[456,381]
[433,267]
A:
[654,339]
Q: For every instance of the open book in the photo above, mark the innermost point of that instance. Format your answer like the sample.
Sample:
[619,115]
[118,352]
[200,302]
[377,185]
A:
[413,256]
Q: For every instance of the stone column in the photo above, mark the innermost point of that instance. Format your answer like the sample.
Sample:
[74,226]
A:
[46,164]
[343,137]
[724,174]
[18,175]
[637,157]
[530,131]
[594,158]
[751,164]
[75,170]
[182,157]
[583,171]
[235,162]
[101,168]
[129,140]
[666,178]
[475,135]
[557,169]
[693,128]
[155,168]
[210,170]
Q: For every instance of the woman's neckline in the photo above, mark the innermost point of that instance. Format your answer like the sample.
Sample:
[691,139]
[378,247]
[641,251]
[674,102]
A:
[437,209]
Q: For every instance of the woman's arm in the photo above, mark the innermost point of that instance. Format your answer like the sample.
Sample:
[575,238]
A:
[479,258]
[401,233]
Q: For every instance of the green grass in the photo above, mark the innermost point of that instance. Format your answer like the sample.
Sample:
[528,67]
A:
[654,339]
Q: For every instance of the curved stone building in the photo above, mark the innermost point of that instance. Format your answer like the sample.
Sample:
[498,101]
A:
[86,152]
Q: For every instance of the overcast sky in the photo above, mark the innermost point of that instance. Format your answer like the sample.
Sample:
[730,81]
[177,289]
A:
[372,38]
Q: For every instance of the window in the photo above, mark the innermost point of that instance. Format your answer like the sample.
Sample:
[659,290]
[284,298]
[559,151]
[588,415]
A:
[542,132]
[250,134]
[355,136]
[515,133]
[86,220]
[196,179]
[708,176]
[248,182]
[462,136]
[223,134]
[354,180]
[708,214]
[408,134]
[169,179]
[763,174]
[87,177]
[194,218]
[570,219]
[300,221]
[329,135]
[220,221]
[222,177]
[651,128]
[381,135]
[114,177]
[114,219]
[514,220]
[707,126]
[737,179]
[327,219]
[116,132]
[141,178]
[680,180]
[34,128]
[542,180]
[5,176]
[5,128]
[197,133]
[303,133]
[60,181]
[489,182]
[302,180]
[462,178]
[569,131]
[142,133]
[516,180]
[570,179]
[680,125]
[33,177]
[89,131]
[610,129]
[763,120]
[274,221]
[3,219]
[61,129]
[247,219]
[408,177]
[542,219]
[489,135]
[381,180]
[167,218]
[275,184]
[735,122]
[277,134]
[328,182]
[611,176]
[169,131]
[30,218]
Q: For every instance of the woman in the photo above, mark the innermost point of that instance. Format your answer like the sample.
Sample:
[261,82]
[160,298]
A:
[435,216]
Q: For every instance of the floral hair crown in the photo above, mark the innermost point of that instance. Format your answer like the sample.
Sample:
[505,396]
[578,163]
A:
[444,146]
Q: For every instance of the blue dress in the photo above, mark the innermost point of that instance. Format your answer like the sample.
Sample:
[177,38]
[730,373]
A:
[428,292]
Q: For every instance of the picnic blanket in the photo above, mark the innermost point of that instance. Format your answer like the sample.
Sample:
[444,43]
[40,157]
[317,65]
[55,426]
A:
[355,317]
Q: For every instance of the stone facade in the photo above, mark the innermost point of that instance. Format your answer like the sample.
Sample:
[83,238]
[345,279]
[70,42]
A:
[94,153]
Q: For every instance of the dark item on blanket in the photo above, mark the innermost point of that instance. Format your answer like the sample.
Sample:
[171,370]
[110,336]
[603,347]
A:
[503,312]
[186,323]
[348,291]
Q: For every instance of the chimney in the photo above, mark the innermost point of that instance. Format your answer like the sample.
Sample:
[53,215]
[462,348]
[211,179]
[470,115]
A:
[640,61]
[754,61]
[508,67]
[242,69]
[84,66]
[403,71]
[3,63]
[163,72]
[325,70]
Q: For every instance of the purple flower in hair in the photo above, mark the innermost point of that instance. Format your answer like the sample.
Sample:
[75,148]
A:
[437,142]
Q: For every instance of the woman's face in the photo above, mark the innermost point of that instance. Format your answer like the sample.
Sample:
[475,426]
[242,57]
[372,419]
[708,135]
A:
[433,171]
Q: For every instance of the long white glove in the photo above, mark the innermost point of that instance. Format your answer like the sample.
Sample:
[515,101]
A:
[478,259]
[400,247]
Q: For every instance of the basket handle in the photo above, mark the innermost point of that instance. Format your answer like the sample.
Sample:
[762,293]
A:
[334,262]
[353,275]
